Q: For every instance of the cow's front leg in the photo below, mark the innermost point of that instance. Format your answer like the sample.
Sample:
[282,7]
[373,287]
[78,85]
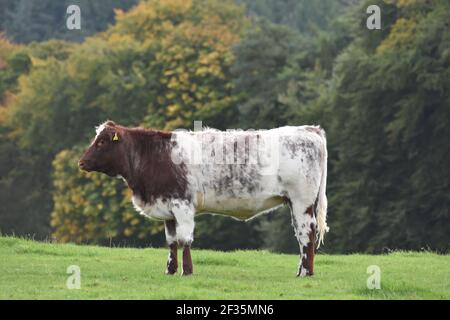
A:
[172,260]
[183,212]
[187,261]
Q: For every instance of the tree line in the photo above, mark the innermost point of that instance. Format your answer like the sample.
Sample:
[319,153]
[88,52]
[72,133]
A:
[381,95]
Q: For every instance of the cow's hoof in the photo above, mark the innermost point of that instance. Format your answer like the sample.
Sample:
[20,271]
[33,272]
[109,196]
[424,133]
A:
[304,276]
[303,272]
[171,267]
[187,273]
[170,272]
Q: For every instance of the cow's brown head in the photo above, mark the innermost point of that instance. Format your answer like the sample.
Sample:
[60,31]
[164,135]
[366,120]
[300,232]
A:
[105,154]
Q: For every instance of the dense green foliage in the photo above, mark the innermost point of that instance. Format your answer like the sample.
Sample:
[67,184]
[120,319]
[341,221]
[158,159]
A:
[147,70]
[381,95]
[302,15]
[33,270]
[27,20]
[390,103]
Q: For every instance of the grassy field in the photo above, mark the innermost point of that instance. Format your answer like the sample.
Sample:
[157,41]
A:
[35,270]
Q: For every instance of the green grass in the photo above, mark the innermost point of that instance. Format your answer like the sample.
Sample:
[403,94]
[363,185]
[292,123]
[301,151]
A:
[36,270]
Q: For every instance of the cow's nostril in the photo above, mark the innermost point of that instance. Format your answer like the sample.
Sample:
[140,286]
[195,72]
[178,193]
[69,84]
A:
[85,165]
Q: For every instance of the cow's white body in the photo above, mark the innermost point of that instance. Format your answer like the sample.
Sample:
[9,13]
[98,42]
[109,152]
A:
[287,166]
[242,190]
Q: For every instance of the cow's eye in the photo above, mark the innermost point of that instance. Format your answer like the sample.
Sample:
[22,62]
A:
[100,143]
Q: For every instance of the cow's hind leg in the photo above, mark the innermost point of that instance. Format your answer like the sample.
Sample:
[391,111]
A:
[304,223]
[172,260]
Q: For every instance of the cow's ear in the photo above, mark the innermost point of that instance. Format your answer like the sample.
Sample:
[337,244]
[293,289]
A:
[116,137]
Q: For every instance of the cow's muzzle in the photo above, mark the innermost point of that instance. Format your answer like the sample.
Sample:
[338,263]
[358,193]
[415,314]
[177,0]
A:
[84,165]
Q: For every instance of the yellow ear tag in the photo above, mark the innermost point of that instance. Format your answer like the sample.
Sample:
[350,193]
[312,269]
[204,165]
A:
[116,137]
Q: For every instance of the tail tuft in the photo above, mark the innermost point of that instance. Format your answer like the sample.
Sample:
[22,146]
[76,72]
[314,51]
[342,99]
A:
[322,202]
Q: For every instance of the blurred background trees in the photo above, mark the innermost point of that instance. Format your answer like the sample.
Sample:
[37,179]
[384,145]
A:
[382,96]
[26,20]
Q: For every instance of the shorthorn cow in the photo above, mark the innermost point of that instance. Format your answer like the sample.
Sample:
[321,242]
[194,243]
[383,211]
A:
[176,175]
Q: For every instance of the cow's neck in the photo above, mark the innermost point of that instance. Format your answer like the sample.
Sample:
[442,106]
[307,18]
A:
[149,170]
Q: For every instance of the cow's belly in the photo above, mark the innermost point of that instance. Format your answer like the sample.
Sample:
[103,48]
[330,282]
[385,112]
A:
[156,211]
[237,207]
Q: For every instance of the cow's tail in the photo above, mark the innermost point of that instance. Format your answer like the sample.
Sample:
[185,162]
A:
[322,201]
